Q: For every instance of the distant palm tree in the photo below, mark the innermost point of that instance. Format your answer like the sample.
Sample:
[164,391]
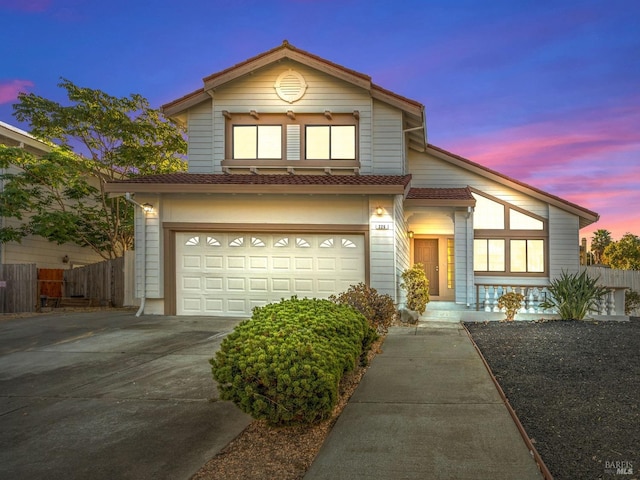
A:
[601,238]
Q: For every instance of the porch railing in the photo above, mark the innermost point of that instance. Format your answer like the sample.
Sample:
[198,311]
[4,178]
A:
[487,296]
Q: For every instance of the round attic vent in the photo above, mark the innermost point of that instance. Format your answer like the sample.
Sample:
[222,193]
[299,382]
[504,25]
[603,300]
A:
[290,86]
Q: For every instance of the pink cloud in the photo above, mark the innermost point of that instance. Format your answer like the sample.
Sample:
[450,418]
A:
[9,89]
[589,157]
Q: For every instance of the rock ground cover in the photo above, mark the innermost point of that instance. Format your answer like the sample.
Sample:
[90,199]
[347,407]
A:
[575,386]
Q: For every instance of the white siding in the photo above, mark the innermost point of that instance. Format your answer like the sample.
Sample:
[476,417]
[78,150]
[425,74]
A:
[381,253]
[564,242]
[200,133]
[387,140]
[402,253]
[39,250]
[463,252]
[46,254]
[256,92]
[148,247]
[430,172]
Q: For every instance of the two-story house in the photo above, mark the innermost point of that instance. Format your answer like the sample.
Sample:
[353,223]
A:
[305,177]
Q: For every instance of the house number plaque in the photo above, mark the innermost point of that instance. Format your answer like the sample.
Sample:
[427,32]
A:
[383,226]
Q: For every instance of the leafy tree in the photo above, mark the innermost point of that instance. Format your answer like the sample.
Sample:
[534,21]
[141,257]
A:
[60,196]
[600,240]
[624,254]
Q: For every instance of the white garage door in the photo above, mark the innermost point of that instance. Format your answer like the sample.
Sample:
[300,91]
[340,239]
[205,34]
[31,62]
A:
[230,273]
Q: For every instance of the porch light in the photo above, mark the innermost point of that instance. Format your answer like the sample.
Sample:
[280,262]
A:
[147,207]
[410,234]
[379,211]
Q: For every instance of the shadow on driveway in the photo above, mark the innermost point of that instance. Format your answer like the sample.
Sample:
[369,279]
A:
[106,395]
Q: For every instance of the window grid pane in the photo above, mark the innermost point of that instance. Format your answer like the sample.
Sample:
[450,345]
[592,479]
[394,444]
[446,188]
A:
[496,255]
[518,255]
[270,141]
[343,146]
[535,256]
[245,139]
[317,142]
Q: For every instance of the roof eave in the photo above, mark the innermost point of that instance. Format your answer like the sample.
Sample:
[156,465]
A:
[432,202]
[184,188]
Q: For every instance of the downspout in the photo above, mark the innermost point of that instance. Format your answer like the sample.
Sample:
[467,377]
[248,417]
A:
[469,268]
[143,297]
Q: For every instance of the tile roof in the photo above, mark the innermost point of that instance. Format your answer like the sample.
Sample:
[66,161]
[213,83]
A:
[239,179]
[252,184]
[440,194]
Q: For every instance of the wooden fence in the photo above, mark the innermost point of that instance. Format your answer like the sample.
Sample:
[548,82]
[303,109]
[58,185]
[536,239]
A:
[18,288]
[610,277]
[102,282]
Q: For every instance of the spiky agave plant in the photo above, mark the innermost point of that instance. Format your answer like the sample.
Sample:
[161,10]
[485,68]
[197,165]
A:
[574,295]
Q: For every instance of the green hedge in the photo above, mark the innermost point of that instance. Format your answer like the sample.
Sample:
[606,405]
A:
[284,365]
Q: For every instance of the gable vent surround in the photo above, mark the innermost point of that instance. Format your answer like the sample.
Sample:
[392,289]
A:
[290,86]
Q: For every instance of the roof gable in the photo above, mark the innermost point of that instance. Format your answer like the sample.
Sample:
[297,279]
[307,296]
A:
[288,51]
[587,217]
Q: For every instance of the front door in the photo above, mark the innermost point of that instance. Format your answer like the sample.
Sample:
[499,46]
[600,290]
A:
[425,251]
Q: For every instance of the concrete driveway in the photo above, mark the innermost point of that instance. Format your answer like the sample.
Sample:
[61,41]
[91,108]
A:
[106,395]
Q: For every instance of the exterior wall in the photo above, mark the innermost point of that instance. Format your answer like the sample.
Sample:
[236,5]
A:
[463,251]
[256,92]
[148,248]
[402,246]
[200,132]
[564,242]
[382,245]
[387,140]
[42,252]
[431,172]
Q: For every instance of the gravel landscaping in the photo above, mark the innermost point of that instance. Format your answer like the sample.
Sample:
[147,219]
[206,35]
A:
[575,386]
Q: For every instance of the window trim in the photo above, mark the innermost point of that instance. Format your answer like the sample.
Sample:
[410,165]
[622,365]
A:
[304,119]
[507,235]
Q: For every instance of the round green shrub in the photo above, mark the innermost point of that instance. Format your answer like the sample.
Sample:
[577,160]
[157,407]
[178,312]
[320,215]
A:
[284,365]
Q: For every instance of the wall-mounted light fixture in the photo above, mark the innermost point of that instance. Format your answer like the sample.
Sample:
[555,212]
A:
[65,259]
[379,210]
[147,207]
[410,234]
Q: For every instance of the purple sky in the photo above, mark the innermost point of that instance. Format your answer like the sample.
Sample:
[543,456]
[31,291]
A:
[547,92]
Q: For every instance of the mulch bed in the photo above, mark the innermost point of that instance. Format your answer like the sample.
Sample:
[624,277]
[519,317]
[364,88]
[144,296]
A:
[575,386]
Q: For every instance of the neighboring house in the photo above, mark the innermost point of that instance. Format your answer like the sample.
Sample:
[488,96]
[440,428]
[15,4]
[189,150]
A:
[305,177]
[34,249]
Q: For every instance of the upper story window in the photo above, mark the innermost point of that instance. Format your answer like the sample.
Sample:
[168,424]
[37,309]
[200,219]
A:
[257,141]
[330,142]
[292,137]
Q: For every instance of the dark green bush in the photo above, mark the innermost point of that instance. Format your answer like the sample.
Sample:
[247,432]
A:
[378,309]
[285,364]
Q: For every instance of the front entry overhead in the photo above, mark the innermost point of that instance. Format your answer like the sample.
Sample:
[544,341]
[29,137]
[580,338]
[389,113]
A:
[231,273]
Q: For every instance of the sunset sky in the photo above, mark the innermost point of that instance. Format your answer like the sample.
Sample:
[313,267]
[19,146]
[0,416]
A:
[547,92]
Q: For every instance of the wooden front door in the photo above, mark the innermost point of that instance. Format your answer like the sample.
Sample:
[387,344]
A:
[425,251]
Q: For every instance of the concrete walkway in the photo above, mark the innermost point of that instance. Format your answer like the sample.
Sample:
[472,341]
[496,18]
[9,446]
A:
[426,408]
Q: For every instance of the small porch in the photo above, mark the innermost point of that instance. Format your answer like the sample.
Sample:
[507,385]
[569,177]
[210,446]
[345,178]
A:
[485,308]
